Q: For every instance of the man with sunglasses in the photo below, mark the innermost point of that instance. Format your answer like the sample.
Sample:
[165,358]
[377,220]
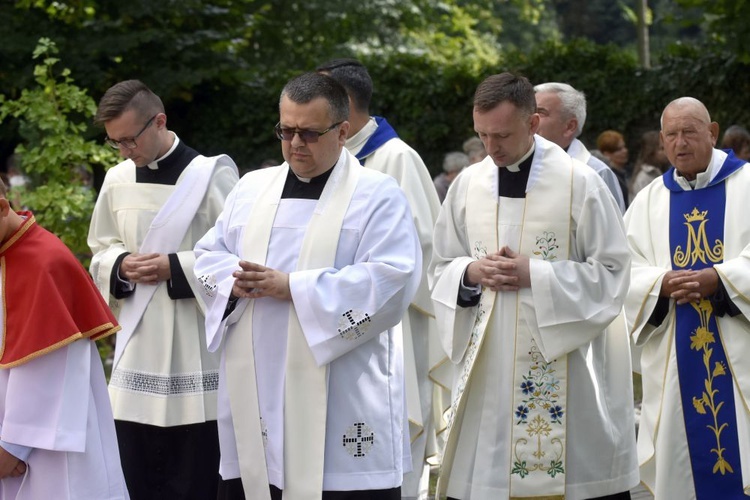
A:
[152,209]
[307,275]
[377,146]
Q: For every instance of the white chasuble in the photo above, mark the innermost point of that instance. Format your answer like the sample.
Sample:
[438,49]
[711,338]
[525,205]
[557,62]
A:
[663,451]
[353,260]
[529,342]
[538,433]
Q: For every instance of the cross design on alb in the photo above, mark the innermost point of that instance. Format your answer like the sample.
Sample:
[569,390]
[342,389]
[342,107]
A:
[359,439]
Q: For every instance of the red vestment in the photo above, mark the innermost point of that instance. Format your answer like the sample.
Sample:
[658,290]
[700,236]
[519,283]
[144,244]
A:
[49,299]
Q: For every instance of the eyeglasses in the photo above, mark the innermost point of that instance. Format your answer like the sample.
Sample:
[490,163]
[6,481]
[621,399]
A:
[129,143]
[309,136]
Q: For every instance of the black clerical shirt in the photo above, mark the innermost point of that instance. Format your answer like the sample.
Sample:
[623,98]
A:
[513,184]
[311,190]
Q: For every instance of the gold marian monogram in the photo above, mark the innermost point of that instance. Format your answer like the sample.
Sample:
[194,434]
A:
[697,247]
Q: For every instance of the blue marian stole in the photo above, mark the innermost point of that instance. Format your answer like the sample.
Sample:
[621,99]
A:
[383,134]
[696,239]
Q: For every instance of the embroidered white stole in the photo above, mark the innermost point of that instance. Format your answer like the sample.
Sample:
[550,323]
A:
[165,235]
[547,209]
[538,441]
[305,398]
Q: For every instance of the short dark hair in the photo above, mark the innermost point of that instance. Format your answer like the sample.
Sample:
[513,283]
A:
[129,94]
[735,138]
[353,75]
[308,86]
[496,89]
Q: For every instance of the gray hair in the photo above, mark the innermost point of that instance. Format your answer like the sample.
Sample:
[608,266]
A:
[573,101]
[455,161]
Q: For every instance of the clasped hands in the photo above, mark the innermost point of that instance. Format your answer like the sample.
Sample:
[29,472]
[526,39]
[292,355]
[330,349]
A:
[254,281]
[146,268]
[505,271]
[688,286]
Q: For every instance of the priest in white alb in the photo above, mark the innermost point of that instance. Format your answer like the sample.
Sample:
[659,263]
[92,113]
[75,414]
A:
[688,307]
[530,266]
[307,275]
[152,209]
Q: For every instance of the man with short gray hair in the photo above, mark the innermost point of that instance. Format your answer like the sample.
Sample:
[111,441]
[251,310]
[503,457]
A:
[453,163]
[562,114]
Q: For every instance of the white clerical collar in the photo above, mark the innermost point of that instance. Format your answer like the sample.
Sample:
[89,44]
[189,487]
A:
[358,140]
[575,148]
[154,165]
[515,167]
[702,179]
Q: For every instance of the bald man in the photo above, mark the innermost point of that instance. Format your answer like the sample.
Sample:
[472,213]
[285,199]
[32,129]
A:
[688,307]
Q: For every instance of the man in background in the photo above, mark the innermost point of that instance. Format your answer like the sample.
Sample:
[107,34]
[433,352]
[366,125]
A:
[562,115]
[377,146]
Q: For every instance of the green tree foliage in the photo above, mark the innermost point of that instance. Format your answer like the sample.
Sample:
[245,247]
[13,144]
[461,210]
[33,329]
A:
[219,65]
[52,121]
[723,21]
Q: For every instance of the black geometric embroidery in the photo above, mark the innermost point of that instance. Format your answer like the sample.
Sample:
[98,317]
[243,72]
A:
[359,439]
[209,284]
[353,324]
[264,432]
[165,385]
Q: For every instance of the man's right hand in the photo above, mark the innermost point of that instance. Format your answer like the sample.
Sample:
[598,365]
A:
[10,466]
